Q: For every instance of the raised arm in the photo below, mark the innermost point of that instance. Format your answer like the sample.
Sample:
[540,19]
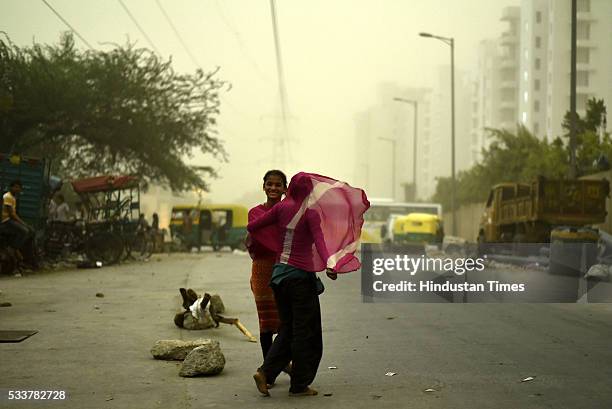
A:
[266,219]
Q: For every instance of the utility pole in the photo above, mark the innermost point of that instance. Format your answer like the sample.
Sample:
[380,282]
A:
[281,149]
[454,182]
[573,168]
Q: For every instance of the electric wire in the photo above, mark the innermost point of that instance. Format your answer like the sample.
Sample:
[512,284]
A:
[191,56]
[68,24]
[243,47]
[144,34]
[178,35]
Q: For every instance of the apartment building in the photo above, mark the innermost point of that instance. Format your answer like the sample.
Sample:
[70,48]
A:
[486,96]
[496,83]
[593,59]
[533,82]
[509,49]
[385,143]
[533,60]
[438,163]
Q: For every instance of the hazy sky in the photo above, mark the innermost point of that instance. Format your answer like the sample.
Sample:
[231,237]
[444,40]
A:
[335,54]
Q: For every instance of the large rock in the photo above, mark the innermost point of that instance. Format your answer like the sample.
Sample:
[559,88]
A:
[174,349]
[205,360]
[217,304]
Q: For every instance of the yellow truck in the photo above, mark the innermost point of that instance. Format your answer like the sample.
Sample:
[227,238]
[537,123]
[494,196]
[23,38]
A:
[528,212]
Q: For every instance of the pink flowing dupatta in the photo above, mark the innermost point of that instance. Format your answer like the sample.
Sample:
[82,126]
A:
[340,208]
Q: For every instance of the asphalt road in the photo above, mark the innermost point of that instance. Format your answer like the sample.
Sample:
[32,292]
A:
[470,355]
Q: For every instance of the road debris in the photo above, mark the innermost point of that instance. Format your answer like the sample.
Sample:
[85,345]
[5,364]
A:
[177,350]
[202,312]
[204,360]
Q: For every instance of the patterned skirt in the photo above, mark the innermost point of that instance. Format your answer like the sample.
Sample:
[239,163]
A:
[264,296]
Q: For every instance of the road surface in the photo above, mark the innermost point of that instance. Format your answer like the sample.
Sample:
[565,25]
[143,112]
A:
[469,355]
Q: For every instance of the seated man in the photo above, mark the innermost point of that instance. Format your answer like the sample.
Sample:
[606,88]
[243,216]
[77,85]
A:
[22,235]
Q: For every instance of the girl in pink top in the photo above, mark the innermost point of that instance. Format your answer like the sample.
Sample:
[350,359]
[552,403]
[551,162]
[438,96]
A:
[274,186]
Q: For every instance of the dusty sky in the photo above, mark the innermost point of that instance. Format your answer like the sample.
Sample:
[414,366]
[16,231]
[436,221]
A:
[335,53]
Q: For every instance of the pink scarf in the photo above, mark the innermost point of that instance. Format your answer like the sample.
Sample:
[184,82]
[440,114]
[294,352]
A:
[339,208]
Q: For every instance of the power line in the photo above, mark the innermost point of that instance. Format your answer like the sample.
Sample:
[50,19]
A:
[193,59]
[190,54]
[238,38]
[138,26]
[68,24]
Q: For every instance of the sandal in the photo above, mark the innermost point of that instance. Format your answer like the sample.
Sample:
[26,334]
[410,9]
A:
[306,392]
[261,383]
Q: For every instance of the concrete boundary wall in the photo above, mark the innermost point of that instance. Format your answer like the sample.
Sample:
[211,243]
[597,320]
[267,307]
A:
[468,220]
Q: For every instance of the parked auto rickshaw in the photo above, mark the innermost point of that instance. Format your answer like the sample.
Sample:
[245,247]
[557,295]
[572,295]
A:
[418,229]
[215,225]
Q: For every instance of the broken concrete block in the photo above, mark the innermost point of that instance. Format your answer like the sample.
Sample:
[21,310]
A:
[204,360]
[174,349]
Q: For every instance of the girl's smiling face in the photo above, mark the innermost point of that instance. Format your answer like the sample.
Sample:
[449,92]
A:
[274,187]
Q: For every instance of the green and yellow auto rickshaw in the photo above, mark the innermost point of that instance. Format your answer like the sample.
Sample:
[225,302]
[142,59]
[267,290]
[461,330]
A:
[418,229]
[215,225]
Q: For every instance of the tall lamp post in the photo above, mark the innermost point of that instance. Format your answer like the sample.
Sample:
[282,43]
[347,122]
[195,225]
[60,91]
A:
[393,142]
[415,104]
[451,42]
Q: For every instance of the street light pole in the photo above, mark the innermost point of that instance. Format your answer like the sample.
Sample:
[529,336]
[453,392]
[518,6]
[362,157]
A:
[451,42]
[393,141]
[573,168]
[415,104]
[454,182]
